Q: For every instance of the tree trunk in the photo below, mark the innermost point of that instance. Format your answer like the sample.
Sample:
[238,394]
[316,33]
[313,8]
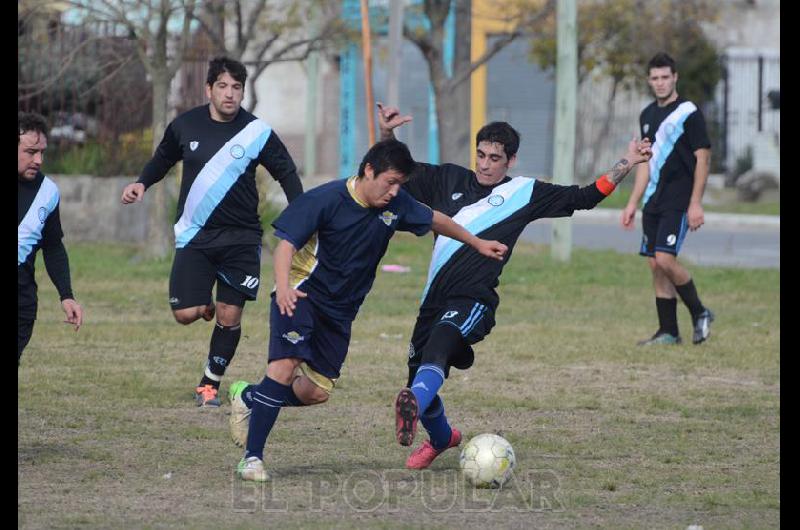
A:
[453,106]
[159,238]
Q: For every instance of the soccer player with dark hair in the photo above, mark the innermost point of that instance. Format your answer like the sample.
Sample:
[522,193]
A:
[671,188]
[331,240]
[217,230]
[38,226]
[459,300]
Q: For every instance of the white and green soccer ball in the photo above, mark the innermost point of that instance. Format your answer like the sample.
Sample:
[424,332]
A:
[487,461]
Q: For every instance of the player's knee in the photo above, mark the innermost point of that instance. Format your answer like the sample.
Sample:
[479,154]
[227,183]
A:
[186,316]
[316,396]
[665,261]
[228,315]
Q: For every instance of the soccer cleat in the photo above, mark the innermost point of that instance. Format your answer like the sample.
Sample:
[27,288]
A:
[208,314]
[240,414]
[660,338]
[252,469]
[426,454]
[206,397]
[702,326]
[406,416]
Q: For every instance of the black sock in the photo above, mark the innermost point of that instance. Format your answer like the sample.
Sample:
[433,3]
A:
[667,315]
[689,296]
[224,340]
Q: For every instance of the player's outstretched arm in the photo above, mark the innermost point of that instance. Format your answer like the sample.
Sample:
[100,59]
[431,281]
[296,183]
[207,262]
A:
[285,296]
[389,119]
[447,227]
[638,151]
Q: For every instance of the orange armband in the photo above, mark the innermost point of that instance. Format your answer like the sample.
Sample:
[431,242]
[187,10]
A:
[604,185]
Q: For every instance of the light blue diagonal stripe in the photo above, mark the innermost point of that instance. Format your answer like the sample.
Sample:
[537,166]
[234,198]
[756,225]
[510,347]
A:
[490,217]
[663,149]
[29,231]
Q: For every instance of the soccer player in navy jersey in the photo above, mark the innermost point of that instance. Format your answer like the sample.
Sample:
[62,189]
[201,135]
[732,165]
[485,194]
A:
[671,188]
[459,300]
[217,230]
[38,226]
[331,241]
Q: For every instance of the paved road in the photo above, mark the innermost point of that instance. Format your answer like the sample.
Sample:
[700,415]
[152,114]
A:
[725,239]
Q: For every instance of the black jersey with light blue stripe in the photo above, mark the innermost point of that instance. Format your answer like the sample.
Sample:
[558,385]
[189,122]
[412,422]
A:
[218,201]
[340,242]
[676,131]
[498,212]
[39,226]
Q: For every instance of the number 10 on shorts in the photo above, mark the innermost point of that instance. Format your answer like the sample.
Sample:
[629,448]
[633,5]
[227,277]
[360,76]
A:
[250,282]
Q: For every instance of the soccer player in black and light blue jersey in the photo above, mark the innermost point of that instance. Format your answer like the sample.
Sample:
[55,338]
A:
[38,226]
[332,239]
[217,231]
[459,300]
[671,188]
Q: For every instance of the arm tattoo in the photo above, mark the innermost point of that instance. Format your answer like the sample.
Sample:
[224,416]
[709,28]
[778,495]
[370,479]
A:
[619,171]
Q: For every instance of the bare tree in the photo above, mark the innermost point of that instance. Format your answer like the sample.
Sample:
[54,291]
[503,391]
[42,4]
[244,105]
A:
[270,31]
[451,91]
[152,24]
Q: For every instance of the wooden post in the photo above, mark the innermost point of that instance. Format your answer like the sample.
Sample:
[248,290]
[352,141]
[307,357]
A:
[366,52]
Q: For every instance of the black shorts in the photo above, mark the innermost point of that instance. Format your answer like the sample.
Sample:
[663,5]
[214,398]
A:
[236,269]
[663,232]
[310,335]
[24,332]
[472,321]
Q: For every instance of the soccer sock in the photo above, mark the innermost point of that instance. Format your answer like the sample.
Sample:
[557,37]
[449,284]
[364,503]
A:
[688,294]
[426,384]
[667,315]
[435,422]
[224,340]
[268,397]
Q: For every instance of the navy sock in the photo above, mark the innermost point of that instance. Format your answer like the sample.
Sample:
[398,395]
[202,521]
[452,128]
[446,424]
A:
[224,340]
[426,384]
[688,294]
[435,422]
[268,397]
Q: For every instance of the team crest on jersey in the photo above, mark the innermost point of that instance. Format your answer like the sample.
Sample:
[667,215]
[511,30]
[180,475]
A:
[294,337]
[456,196]
[237,151]
[646,128]
[193,145]
[496,200]
[387,218]
[42,214]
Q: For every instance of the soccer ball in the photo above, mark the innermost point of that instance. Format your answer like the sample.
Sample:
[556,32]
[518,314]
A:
[487,461]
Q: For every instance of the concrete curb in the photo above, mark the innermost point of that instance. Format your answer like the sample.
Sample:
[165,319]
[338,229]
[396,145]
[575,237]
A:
[612,215]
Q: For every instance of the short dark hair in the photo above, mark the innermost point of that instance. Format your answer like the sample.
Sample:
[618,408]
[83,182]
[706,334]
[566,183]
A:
[660,60]
[502,133]
[31,122]
[386,155]
[219,65]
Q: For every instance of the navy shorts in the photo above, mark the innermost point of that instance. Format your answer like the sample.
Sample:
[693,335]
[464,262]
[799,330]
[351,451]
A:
[663,232]
[472,321]
[24,332]
[310,335]
[236,269]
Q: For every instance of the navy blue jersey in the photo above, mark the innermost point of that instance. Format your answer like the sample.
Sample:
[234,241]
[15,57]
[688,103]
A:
[218,201]
[676,131]
[340,242]
[39,226]
[498,212]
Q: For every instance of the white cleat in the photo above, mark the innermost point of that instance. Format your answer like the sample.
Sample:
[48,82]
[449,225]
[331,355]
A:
[252,469]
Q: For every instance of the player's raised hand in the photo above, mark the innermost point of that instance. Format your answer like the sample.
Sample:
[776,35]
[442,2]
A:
[73,311]
[492,249]
[133,193]
[639,150]
[389,118]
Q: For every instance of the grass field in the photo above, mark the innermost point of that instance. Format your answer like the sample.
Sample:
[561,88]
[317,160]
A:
[606,434]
